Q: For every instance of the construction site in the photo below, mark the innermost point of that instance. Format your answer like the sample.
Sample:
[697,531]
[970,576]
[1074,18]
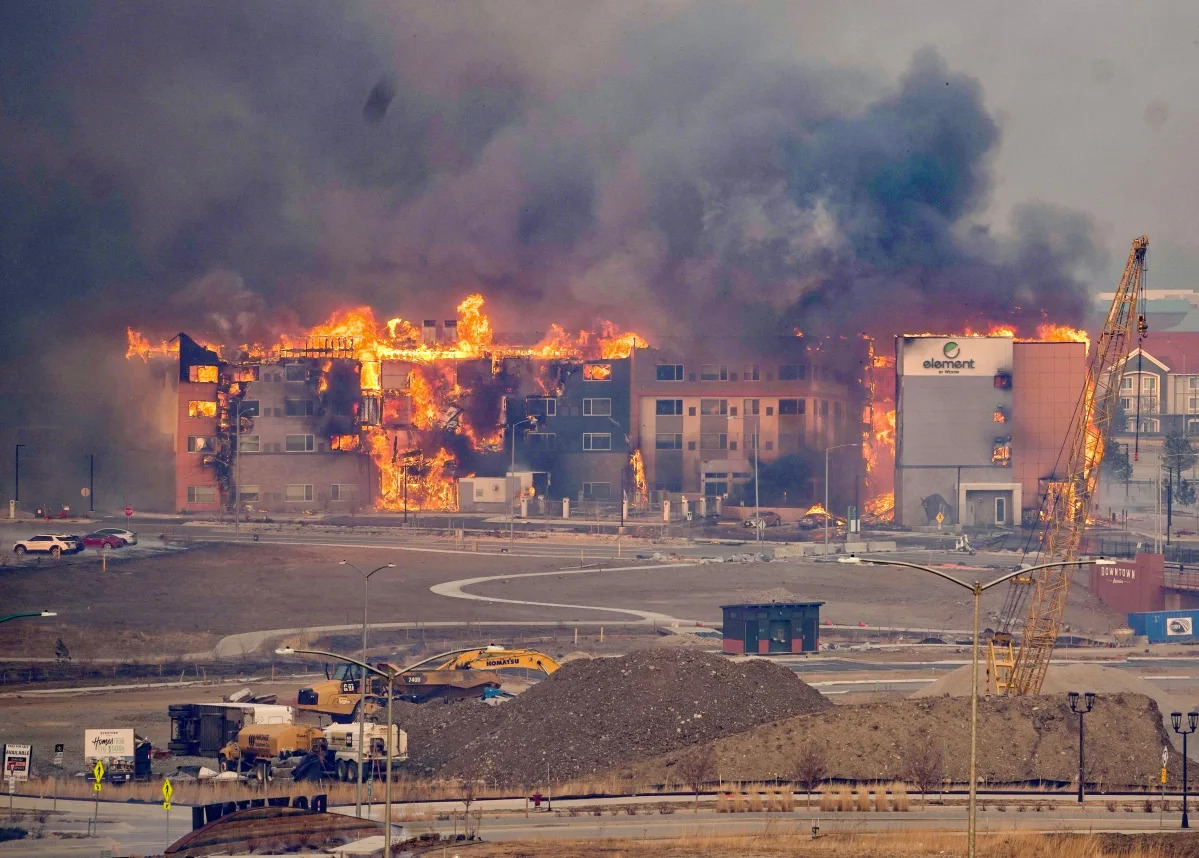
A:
[566,664]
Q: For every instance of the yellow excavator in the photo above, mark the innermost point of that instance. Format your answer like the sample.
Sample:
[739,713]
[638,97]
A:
[448,676]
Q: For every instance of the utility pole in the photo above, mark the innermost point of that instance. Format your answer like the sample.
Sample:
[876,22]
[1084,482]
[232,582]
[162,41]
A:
[16,469]
[91,482]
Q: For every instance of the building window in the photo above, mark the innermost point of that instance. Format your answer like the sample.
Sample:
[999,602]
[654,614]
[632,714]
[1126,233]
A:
[837,411]
[1149,383]
[201,408]
[1192,403]
[597,407]
[670,372]
[769,445]
[794,372]
[752,373]
[295,372]
[1003,380]
[541,440]
[298,443]
[792,406]
[824,408]
[249,443]
[1193,382]
[713,407]
[668,407]
[247,408]
[202,374]
[541,406]
[751,442]
[716,488]
[1001,452]
[201,494]
[1000,415]
[597,372]
[691,445]
[1126,383]
[1126,404]
[668,441]
[343,492]
[298,407]
[597,490]
[248,494]
[297,493]
[733,446]
[597,441]
[713,372]
[713,441]
[200,444]
[750,407]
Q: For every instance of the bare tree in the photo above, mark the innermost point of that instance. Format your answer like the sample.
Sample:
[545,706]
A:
[697,769]
[924,766]
[810,769]
[470,785]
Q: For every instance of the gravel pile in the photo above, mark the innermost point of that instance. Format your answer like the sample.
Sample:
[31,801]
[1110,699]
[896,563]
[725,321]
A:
[606,713]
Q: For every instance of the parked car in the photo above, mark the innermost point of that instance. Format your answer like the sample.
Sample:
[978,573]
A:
[128,535]
[766,518]
[52,544]
[105,541]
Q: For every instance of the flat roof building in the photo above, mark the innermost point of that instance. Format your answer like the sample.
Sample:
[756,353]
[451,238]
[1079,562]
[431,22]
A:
[980,426]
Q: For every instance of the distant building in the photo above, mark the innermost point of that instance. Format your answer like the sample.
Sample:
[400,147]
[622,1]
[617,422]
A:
[771,627]
[981,422]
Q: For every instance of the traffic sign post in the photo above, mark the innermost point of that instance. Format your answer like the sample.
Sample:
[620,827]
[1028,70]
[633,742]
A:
[128,511]
[167,792]
[98,772]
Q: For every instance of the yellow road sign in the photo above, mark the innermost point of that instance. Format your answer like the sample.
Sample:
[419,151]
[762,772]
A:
[1163,776]
[98,771]
[167,792]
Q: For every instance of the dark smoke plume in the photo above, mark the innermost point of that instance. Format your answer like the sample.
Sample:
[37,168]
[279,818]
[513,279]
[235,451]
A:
[207,167]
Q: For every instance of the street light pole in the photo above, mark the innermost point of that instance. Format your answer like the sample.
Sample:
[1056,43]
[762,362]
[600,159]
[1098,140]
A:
[1080,705]
[827,511]
[366,583]
[16,470]
[977,589]
[511,471]
[1192,723]
[28,614]
[389,749]
[237,468]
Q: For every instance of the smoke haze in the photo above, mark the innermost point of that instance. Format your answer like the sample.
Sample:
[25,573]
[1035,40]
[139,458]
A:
[235,170]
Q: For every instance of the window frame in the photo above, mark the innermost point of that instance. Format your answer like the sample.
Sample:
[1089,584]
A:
[589,441]
[193,494]
[676,372]
[309,444]
[675,404]
[589,406]
[722,407]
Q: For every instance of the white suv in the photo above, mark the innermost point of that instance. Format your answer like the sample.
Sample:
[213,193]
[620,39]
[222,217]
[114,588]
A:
[49,544]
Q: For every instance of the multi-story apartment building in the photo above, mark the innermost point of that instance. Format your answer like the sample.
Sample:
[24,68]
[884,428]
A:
[1159,384]
[704,411]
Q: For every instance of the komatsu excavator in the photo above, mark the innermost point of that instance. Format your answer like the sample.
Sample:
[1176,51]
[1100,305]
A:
[448,676]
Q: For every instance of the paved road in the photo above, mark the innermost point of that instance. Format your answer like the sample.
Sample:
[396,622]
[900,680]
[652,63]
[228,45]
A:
[142,829]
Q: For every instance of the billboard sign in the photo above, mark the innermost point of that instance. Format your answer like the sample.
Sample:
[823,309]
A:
[16,762]
[957,356]
[108,745]
[1179,626]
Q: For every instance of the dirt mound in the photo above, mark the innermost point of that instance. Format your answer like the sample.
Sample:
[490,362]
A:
[1021,740]
[600,714]
[1061,679]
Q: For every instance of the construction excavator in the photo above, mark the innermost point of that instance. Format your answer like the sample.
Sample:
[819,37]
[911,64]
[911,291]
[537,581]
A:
[448,676]
[1019,669]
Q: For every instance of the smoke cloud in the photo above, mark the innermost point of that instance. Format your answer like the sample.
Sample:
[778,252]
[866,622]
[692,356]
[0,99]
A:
[235,170]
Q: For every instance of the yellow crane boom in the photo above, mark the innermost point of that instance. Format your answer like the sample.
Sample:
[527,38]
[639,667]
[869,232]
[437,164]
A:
[1069,494]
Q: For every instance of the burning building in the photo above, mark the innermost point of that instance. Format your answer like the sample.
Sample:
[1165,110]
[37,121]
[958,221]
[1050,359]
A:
[980,425]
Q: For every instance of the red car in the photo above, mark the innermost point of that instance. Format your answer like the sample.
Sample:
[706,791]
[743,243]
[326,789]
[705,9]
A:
[104,541]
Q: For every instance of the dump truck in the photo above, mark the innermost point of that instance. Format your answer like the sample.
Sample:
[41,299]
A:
[305,752]
[457,674]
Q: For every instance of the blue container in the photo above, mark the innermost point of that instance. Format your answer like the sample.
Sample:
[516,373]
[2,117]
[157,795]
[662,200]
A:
[1166,626]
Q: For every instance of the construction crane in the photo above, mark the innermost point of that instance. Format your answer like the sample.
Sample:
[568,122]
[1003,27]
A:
[1021,670]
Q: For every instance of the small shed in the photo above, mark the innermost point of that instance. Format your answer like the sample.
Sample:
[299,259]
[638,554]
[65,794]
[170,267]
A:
[1166,626]
[771,627]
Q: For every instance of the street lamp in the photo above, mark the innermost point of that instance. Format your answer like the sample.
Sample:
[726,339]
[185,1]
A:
[1080,707]
[532,421]
[366,583]
[628,446]
[977,589]
[827,511]
[28,614]
[390,675]
[16,472]
[1192,722]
